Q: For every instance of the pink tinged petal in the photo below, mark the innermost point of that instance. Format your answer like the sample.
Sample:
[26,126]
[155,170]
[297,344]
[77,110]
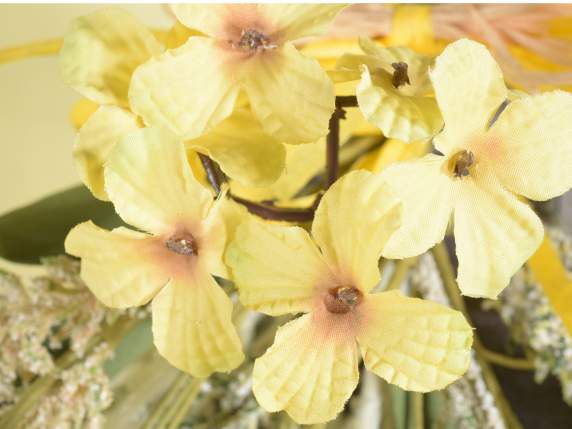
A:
[187,90]
[118,266]
[415,344]
[536,137]
[495,234]
[150,182]
[192,326]
[307,375]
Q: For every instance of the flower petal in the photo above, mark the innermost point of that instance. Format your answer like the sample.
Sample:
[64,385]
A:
[207,18]
[150,182]
[309,376]
[192,326]
[95,140]
[275,267]
[100,52]
[469,88]
[427,197]
[536,136]
[355,218]
[118,265]
[166,90]
[286,78]
[495,234]
[415,344]
[294,21]
[244,152]
[404,117]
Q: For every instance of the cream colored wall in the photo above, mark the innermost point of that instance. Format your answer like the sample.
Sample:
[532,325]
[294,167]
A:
[35,133]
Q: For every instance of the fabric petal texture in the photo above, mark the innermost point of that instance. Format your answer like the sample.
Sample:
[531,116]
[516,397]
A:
[165,91]
[275,267]
[96,139]
[118,266]
[495,234]
[309,377]
[150,182]
[192,326]
[287,78]
[206,18]
[415,344]
[100,52]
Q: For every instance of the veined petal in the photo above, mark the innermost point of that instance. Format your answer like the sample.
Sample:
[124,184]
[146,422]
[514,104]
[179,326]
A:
[192,326]
[185,90]
[100,52]
[415,344]
[294,21]
[215,237]
[95,140]
[427,195]
[277,82]
[275,267]
[469,88]
[352,224]
[118,265]
[404,117]
[535,134]
[207,18]
[243,151]
[495,234]
[150,182]
[307,375]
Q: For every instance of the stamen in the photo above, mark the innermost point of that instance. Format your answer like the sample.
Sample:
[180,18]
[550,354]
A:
[400,76]
[183,244]
[460,164]
[342,299]
[253,40]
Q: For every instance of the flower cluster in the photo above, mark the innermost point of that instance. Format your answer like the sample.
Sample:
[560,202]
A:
[234,88]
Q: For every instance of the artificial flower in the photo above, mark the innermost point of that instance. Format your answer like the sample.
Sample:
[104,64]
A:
[488,156]
[246,48]
[394,92]
[149,181]
[312,368]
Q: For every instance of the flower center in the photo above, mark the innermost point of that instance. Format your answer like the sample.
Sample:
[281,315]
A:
[342,299]
[253,40]
[400,76]
[183,244]
[460,164]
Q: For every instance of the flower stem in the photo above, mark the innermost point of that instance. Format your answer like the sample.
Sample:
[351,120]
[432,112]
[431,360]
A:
[506,361]
[333,148]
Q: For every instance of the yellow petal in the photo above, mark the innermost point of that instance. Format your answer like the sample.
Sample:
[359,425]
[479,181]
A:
[294,21]
[100,52]
[495,234]
[390,152]
[243,151]
[214,231]
[275,267]
[166,90]
[404,117]
[192,326]
[287,78]
[309,377]
[117,265]
[207,18]
[469,88]
[427,195]
[149,181]
[415,344]
[81,111]
[96,139]
[355,218]
[536,137]
[178,35]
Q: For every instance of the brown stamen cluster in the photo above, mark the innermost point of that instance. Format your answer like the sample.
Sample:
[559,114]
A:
[254,40]
[183,244]
[460,163]
[342,299]
[400,76]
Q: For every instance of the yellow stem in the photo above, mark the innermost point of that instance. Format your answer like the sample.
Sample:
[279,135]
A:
[400,272]
[506,361]
[416,410]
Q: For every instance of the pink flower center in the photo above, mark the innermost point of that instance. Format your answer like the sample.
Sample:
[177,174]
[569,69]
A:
[254,40]
[460,164]
[342,300]
[183,244]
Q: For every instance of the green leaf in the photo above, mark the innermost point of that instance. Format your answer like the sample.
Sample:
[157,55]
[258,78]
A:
[39,229]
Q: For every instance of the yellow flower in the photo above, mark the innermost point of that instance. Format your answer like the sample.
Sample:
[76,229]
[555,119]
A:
[194,87]
[527,151]
[394,92]
[312,368]
[151,185]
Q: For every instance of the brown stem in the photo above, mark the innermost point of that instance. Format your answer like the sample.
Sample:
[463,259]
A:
[210,170]
[346,101]
[333,148]
[270,212]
